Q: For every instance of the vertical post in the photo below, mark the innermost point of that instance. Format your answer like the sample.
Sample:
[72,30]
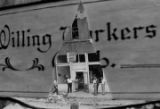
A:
[55,70]
[87,67]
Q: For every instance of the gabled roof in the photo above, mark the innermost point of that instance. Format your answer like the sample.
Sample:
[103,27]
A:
[77,47]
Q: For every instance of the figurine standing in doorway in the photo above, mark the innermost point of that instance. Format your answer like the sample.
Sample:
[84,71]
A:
[69,83]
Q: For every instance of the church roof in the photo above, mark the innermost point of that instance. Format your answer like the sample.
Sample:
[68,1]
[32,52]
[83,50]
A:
[77,47]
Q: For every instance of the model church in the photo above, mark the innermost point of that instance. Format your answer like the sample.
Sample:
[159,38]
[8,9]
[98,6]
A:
[77,57]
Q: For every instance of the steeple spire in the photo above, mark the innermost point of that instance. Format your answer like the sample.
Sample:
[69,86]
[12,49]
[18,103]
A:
[79,27]
[81,11]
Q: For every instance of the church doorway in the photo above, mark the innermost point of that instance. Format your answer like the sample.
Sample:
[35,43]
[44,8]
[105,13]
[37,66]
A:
[80,81]
[79,75]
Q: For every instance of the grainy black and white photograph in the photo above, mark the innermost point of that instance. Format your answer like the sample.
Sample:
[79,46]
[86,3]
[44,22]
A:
[79,54]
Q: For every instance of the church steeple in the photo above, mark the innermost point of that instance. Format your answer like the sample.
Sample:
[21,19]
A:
[79,29]
[80,24]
